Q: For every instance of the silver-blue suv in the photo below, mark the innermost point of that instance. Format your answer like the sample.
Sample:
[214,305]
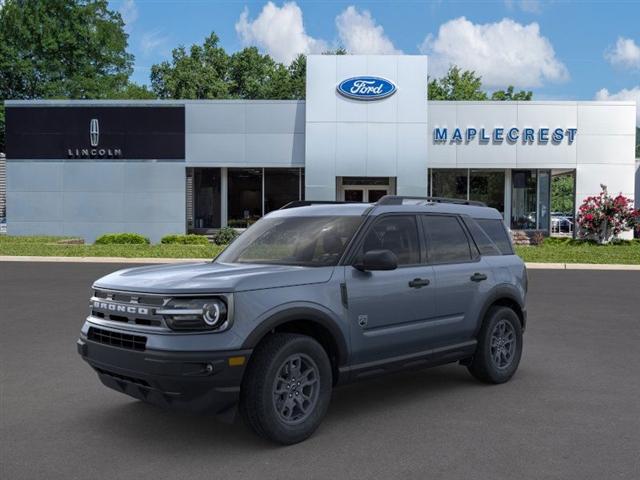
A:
[313,295]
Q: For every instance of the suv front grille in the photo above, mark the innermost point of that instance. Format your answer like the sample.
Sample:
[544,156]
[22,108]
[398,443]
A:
[117,339]
[130,308]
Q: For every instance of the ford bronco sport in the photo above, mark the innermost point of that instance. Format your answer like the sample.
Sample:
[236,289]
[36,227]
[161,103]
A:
[313,295]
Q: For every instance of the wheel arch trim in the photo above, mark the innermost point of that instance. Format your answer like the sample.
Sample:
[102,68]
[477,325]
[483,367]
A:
[503,292]
[301,313]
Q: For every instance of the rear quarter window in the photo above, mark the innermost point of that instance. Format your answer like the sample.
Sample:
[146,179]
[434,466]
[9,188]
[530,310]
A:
[497,232]
[486,246]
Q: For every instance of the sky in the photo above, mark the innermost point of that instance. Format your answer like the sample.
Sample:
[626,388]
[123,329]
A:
[561,50]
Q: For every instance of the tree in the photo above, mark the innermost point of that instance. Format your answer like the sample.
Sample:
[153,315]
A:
[199,74]
[256,76]
[61,49]
[457,85]
[208,72]
[510,95]
[298,74]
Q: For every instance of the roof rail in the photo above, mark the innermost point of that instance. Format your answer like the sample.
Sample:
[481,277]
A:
[398,200]
[306,203]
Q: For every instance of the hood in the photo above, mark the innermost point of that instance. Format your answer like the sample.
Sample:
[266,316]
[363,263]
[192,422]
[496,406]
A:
[208,277]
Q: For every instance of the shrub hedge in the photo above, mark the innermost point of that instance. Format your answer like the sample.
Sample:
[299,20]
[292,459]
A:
[225,236]
[122,238]
[189,239]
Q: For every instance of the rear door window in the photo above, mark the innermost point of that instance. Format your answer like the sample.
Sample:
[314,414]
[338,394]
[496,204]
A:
[446,239]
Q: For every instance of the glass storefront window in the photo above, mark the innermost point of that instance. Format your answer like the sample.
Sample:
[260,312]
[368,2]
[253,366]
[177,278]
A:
[281,186]
[244,196]
[206,198]
[449,183]
[488,187]
[524,189]
[544,199]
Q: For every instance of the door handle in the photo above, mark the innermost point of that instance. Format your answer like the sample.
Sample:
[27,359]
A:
[478,277]
[419,282]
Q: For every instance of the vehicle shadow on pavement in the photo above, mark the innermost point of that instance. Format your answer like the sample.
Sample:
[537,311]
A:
[143,424]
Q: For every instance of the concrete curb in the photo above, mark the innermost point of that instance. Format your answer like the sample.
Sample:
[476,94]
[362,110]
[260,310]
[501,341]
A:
[533,266]
[581,266]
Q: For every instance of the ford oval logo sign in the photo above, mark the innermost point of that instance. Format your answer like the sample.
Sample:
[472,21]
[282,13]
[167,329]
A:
[366,88]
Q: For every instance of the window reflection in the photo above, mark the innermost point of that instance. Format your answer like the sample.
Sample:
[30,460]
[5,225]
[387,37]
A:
[523,199]
[244,196]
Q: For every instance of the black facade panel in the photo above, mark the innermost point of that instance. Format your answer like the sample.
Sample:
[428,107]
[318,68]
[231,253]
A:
[51,132]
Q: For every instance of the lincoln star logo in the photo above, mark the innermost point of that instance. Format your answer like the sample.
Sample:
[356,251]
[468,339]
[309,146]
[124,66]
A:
[94,141]
[94,132]
[366,88]
[114,307]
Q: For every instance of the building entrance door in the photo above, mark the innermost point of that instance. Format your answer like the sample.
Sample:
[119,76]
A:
[364,189]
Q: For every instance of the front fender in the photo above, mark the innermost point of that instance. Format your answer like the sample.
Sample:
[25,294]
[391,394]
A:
[315,313]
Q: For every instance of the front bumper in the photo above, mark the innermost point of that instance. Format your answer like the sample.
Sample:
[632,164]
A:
[191,381]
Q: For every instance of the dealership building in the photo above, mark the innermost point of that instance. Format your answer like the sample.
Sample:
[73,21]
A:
[366,129]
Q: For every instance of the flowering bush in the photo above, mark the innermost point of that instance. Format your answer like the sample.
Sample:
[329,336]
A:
[604,217]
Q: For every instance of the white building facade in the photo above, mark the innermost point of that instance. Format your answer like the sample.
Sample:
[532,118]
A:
[366,129]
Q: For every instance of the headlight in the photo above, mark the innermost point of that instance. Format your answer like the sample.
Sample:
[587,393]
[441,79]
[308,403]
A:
[195,314]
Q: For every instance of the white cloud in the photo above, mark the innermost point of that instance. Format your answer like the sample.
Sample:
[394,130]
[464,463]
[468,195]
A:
[529,6]
[632,94]
[278,31]
[504,53]
[359,33]
[151,41]
[129,12]
[626,53]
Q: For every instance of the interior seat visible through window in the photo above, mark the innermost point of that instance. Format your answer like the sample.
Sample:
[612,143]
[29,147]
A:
[398,234]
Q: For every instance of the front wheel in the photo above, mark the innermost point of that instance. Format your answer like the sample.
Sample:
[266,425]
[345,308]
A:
[287,387]
[499,346]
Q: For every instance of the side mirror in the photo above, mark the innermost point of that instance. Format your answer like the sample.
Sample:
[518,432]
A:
[377,260]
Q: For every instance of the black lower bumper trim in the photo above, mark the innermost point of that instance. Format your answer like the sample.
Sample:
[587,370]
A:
[190,381]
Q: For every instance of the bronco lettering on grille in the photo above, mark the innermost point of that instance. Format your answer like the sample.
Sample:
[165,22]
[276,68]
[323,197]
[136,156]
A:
[114,307]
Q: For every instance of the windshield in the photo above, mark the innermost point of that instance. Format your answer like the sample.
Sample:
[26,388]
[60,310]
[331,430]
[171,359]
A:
[304,241]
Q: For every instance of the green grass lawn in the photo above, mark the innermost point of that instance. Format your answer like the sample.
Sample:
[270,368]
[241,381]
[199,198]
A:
[47,246]
[552,251]
[571,251]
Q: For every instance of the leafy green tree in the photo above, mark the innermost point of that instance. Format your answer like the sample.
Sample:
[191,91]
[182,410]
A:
[133,91]
[199,74]
[208,72]
[61,49]
[510,95]
[256,76]
[337,51]
[298,74]
[457,85]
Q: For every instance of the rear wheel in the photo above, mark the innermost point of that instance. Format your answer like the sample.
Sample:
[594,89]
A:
[499,346]
[287,387]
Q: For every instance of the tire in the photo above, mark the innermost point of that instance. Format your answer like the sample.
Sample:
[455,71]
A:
[496,360]
[274,405]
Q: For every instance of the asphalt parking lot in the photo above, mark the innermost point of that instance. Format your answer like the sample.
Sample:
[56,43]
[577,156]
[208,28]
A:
[571,411]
